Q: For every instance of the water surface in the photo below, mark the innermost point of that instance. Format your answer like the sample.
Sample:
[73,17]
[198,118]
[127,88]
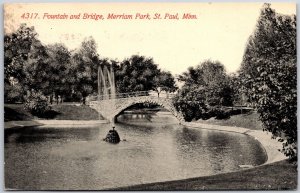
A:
[156,149]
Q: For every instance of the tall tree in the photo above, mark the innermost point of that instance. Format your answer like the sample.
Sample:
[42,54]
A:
[136,74]
[269,75]
[17,46]
[165,81]
[206,89]
[212,76]
[85,61]
[58,77]
[35,67]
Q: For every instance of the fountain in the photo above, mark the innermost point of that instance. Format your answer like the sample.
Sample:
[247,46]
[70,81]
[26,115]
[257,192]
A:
[107,90]
[112,136]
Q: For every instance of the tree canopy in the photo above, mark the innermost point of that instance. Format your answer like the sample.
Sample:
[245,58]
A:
[206,87]
[212,76]
[269,75]
[53,70]
[139,73]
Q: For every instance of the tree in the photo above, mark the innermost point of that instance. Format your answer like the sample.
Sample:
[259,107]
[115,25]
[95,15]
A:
[206,88]
[57,76]
[85,63]
[17,46]
[212,76]
[190,101]
[35,68]
[239,98]
[269,75]
[165,81]
[136,74]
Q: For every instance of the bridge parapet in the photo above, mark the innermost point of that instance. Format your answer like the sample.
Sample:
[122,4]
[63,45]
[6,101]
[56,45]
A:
[130,95]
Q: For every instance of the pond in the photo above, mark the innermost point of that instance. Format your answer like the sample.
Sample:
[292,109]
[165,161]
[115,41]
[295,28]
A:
[152,149]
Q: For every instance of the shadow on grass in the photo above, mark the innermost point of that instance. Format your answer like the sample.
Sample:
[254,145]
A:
[15,115]
[280,175]
[51,114]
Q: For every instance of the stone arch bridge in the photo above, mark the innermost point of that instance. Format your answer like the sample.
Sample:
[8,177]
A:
[111,108]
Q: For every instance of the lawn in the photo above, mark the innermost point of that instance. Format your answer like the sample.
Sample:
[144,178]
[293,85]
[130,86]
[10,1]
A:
[248,120]
[276,176]
[16,112]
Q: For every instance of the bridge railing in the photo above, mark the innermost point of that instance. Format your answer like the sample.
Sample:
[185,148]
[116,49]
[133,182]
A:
[131,94]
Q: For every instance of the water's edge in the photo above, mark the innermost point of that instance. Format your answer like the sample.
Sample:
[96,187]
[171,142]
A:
[270,145]
[264,138]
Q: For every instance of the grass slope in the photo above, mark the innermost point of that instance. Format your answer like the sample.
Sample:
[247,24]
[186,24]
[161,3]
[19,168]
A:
[72,112]
[16,112]
[276,176]
[249,120]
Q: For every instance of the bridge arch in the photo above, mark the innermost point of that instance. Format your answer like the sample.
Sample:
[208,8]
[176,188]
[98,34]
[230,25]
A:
[165,103]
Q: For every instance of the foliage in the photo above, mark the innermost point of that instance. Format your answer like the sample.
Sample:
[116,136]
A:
[191,102]
[36,103]
[17,46]
[212,76]
[269,76]
[217,112]
[206,86]
[165,81]
[238,96]
[84,70]
[13,93]
[55,71]
[136,74]
[47,70]
[57,76]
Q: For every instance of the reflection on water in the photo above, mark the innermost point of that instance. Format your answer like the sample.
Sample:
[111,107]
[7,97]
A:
[156,149]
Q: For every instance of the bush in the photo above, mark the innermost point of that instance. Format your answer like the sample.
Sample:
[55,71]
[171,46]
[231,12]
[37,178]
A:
[13,93]
[217,112]
[222,114]
[37,104]
[190,101]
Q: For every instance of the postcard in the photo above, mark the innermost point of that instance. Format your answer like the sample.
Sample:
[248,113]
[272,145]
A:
[150,96]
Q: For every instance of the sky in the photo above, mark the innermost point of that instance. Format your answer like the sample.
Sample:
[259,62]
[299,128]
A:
[220,31]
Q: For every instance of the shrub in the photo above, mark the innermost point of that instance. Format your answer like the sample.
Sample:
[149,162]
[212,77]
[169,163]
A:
[37,104]
[222,114]
[13,93]
[190,101]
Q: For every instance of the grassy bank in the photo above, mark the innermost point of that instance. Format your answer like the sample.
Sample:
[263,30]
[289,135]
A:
[276,176]
[249,120]
[16,112]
